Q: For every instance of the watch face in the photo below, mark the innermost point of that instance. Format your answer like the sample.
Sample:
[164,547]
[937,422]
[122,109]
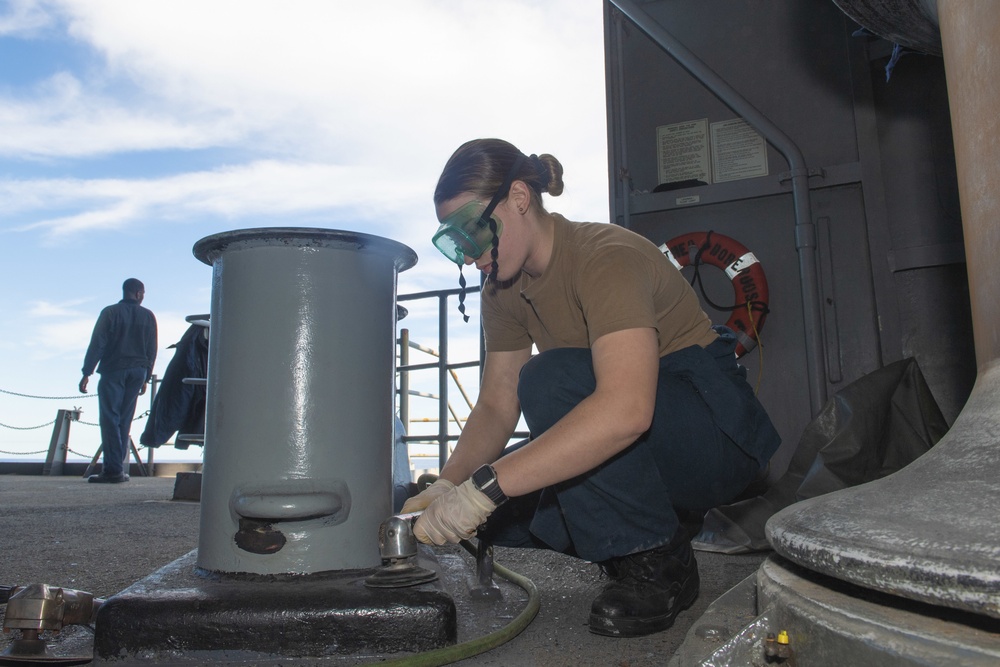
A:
[485,479]
[483,476]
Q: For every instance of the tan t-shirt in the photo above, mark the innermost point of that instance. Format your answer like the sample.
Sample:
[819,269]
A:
[601,278]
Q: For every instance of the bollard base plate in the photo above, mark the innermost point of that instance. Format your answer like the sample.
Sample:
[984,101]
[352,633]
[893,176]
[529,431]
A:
[183,615]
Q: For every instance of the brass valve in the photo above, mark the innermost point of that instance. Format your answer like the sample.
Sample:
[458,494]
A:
[778,650]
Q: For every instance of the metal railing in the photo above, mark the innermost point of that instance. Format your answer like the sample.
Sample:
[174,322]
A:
[59,449]
[445,369]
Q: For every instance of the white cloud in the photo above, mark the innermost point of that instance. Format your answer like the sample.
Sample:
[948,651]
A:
[64,117]
[67,338]
[40,309]
[23,17]
[392,80]
[389,91]
[65,334]
[265,187]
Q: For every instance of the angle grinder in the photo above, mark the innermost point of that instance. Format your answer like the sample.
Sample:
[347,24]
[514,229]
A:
[398,547]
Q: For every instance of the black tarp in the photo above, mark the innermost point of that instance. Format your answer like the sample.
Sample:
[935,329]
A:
[869,429]
[179,407]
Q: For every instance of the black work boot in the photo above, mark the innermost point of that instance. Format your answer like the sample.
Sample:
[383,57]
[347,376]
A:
[647,590]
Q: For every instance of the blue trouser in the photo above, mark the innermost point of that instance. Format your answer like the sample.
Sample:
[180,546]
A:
[117,394]
[685,460]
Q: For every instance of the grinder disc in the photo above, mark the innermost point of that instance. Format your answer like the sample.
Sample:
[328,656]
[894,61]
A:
[36,652]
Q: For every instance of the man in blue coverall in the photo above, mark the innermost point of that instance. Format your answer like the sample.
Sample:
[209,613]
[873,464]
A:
[123,350]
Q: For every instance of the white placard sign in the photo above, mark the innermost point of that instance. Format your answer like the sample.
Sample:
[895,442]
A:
[682,151]
[738,151]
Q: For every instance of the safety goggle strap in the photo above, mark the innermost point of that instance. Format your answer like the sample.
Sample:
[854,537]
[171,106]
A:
[461,293]
[502,192]
[504,188]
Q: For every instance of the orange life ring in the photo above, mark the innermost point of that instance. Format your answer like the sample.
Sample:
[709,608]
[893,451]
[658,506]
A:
[743,269]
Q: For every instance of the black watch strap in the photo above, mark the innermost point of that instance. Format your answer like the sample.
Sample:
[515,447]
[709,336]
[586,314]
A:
[485,479]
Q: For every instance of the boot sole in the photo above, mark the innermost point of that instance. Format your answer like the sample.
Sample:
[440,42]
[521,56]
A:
[640,627]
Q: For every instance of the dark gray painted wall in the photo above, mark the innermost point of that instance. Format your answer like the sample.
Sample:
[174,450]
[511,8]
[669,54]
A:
[884,196]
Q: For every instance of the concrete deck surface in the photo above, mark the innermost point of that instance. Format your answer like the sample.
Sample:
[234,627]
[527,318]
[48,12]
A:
[101,539]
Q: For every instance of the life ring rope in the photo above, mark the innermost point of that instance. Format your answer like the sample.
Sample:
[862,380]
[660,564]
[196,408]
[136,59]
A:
[744,271]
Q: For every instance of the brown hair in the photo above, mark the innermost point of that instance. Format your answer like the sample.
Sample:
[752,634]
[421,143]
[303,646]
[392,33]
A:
[481,165]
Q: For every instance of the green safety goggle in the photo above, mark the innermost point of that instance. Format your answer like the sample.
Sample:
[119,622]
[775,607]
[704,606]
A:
[466,232]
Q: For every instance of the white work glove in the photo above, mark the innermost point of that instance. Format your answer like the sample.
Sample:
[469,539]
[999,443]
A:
[420,501]
[454,516]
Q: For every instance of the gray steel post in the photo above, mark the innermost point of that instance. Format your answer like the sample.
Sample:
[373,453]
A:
[299,415]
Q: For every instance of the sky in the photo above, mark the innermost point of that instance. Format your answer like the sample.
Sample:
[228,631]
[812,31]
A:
[130,130]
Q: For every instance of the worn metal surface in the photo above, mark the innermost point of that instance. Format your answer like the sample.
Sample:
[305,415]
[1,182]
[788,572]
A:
[911,23]
[828,622]
[297,468]
[730,632]
[928,532]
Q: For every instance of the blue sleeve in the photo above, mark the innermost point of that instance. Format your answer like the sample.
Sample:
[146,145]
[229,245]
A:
[98,342]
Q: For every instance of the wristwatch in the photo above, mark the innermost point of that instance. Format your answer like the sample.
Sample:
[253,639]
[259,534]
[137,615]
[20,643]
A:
[485,479]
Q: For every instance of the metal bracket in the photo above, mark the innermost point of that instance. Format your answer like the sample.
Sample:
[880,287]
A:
[483,587]
[816,172]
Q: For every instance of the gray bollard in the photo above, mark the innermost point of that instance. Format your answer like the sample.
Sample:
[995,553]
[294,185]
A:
[929,532]
[299,416]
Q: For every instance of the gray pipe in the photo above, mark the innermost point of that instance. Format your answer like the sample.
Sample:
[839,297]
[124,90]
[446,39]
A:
[805,231]
[622,176]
